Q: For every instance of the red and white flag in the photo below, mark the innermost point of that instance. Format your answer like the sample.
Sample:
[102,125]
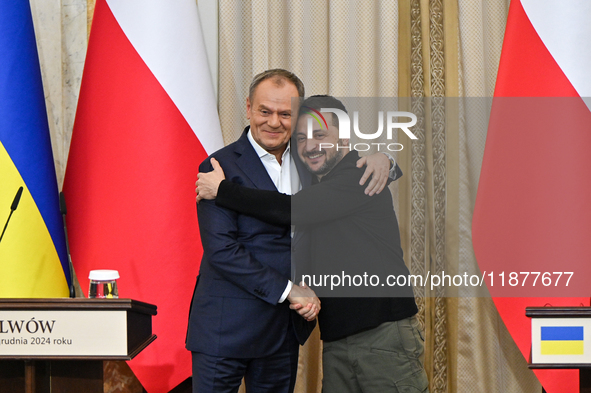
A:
[533,207]
[146,118]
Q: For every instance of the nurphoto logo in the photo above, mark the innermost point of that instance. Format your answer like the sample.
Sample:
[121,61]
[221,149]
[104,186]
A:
[393,122]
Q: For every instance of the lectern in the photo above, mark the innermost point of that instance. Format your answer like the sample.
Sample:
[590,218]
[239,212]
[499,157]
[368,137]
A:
[59,345]
[561,339]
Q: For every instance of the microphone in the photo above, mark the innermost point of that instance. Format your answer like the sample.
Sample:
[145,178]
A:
[15,202]
[64,211]
[17,199]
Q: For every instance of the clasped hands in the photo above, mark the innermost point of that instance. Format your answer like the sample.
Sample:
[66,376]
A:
[304,301]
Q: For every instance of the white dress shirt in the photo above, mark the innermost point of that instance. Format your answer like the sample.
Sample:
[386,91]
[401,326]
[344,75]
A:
[284,176]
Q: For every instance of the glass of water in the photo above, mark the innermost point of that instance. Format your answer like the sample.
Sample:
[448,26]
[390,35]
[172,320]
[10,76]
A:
[103,284]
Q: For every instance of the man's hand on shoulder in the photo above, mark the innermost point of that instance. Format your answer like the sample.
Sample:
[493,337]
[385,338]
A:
[377,166]
[208,183]
[304,300]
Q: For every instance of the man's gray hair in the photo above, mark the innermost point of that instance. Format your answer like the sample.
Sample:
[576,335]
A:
[279,77]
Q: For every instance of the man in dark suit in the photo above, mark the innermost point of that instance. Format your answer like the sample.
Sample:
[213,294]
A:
[240,323]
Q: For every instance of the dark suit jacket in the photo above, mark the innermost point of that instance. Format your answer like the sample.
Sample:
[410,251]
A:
[245,268]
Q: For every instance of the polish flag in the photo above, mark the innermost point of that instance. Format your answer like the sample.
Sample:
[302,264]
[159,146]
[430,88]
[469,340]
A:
[533,207]
[146,118]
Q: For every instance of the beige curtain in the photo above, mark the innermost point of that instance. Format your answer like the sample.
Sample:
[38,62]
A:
[312,39]
[61,29]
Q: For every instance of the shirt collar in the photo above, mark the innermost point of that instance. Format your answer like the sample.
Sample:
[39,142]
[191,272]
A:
[262,152]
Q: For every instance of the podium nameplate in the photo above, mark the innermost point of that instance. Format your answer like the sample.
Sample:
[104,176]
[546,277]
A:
[74,328]
[561,340]
[63,333]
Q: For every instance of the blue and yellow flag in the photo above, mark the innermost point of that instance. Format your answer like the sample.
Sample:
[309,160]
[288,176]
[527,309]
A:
[563,340]
[33,257]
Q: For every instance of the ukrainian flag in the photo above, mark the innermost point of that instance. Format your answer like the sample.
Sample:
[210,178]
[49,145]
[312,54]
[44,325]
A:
[33,258]
[562,340]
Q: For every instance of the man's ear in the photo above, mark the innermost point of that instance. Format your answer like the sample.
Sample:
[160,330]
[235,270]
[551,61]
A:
[248,108]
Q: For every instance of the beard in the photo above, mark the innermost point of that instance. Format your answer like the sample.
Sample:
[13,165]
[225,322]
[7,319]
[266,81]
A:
[329,163]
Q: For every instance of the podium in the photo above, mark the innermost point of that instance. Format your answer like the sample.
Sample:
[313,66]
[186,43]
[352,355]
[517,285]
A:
[59,345]
[561,339]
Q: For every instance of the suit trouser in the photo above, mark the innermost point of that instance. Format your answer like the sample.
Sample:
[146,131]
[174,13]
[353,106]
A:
[275,373]
[387,358]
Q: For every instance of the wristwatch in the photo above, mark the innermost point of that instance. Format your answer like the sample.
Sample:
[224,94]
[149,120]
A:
[392,161]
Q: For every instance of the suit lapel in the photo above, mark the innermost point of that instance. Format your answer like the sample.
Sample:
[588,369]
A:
[250,163]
